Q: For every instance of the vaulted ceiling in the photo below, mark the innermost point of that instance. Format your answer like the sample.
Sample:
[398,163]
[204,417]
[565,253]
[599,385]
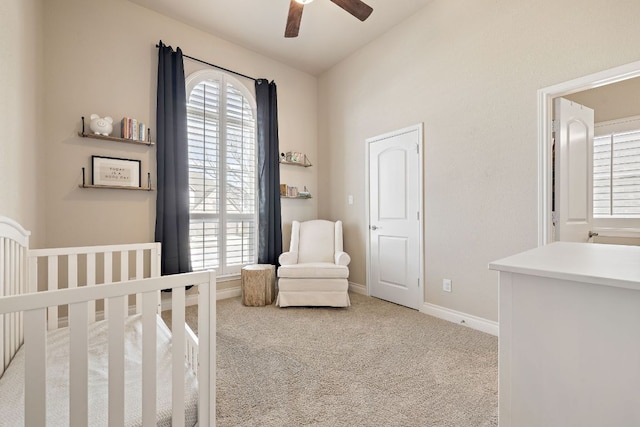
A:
[328,34]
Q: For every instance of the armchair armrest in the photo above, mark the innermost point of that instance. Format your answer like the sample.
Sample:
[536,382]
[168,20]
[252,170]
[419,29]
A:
[342,258]
[288,258]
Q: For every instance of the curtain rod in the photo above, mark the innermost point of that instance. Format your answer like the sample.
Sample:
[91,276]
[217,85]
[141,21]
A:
[217,66]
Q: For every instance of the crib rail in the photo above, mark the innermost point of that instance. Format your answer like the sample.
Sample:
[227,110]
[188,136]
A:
[80,299]
[14,242]
[90,266]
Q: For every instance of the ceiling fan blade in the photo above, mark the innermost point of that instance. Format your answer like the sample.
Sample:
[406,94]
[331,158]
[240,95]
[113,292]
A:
[293,21]
[357,8]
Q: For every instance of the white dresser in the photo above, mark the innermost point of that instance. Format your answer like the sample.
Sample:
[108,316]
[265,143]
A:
[570,336]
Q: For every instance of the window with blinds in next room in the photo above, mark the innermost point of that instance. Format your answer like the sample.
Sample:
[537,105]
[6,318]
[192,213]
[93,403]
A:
[616,173]
[222,172]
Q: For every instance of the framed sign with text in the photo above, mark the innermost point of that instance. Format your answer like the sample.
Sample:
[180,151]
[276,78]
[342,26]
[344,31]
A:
[115,172]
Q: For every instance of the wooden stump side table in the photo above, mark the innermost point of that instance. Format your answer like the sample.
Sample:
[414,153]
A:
[258,284]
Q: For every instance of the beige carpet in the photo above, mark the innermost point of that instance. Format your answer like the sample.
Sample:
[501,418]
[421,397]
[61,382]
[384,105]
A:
[373,364]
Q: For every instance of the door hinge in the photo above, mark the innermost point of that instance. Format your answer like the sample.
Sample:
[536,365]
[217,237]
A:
[554,125]
[418,215]
[418,148]
[418,282]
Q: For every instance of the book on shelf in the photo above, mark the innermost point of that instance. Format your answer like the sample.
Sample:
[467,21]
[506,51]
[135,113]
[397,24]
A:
[293,192]
[133,129]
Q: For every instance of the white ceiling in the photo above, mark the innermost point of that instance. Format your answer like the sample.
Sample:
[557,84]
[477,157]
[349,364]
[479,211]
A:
[328,34]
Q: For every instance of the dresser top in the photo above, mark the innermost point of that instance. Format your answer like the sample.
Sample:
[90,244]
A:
[607,265]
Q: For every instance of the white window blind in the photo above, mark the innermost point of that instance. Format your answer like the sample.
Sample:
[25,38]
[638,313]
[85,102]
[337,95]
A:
[616,175]
[222,174]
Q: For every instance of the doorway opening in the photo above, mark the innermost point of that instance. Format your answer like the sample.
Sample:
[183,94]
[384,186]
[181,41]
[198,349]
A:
[546,98]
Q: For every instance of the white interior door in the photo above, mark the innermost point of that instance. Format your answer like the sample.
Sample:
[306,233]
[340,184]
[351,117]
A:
[574,171]
[395,217]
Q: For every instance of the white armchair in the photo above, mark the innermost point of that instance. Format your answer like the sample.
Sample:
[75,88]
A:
[314,272]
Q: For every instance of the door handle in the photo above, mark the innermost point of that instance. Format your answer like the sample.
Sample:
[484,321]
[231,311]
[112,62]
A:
[374,227]
[592,234]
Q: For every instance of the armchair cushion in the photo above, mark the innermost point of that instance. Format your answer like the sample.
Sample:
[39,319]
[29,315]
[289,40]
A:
[316,242]
[315,270]
[342,258]
[288,258]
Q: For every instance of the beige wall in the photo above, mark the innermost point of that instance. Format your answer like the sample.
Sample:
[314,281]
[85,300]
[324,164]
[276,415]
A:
[21,115]
[102,59]
[610,102]
[470,71]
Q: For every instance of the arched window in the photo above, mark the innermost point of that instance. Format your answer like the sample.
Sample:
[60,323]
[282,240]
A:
[221,123]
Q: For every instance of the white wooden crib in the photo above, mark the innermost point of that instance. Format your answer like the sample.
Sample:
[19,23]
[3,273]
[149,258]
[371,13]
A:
[110,360]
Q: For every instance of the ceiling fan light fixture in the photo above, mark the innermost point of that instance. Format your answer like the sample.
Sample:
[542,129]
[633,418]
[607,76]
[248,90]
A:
[304,1]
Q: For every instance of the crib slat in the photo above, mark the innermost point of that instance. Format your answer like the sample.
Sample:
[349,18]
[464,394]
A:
[91,281]
[33,274]
[35,390]
[108,278]
[207,354]
[13,324]
[22,283]
[52,282]
[124,275]
[156,270]
[203,356]
[139,275]
[116,361]
[149,358]
[177,357]
[72,270]
[78,364]
[156,256]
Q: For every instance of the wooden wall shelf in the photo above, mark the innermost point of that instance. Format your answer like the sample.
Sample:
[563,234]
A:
[114,138]
[304,165]
[303,160]
[115,187]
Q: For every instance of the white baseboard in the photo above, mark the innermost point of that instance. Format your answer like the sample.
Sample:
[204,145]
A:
[228,293]
[474,322]
[357,288]
[193,298]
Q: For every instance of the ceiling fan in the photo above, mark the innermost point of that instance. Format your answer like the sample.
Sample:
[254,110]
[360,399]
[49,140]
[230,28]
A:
[355,7]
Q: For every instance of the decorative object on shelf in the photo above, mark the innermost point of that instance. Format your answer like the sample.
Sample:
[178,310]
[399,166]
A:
[305,193]
[84,134]
[115,172]
[295,158]
[100,125]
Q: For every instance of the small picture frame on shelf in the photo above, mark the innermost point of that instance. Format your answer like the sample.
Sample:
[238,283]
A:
[115,172]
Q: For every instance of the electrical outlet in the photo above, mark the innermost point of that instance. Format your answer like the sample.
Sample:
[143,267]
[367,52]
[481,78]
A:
[446,285]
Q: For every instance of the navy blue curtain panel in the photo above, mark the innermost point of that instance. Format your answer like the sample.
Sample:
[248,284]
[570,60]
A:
[269,211]
[172,203]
